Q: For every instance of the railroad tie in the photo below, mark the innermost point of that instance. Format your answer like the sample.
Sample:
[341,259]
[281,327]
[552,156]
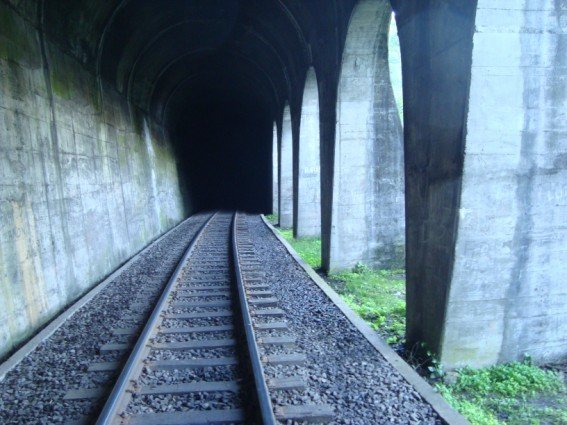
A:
[305,413]
[192,363]
[196,329]
[287,383]
[194,418]
[191,387]
[195,344]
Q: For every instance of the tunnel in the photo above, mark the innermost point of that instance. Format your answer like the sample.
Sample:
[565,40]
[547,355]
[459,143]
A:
[122,118]
[210,75]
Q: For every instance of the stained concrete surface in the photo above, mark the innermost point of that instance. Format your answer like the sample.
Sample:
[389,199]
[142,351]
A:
[86,180]
[508,294]
[286,172]
[368,186]
[309,180]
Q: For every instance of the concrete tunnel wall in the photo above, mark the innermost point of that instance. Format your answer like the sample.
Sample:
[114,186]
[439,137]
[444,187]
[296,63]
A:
[86,179]
[484,194]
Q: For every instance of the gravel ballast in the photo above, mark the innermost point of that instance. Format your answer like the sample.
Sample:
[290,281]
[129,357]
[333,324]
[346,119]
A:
[343,369]
[33,392]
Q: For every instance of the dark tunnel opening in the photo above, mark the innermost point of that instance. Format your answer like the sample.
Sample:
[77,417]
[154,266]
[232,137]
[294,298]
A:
[223,142]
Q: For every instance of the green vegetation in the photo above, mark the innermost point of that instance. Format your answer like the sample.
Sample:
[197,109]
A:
[511,394]
[272,218]
[378,296]
[308,248]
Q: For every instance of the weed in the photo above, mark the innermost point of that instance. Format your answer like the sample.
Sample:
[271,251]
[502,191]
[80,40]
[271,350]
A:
[308,248]
[515,393]
[272,218]
[512,394]
[378,296]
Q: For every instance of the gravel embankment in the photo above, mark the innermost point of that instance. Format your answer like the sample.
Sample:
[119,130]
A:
[33,392]
[342,369]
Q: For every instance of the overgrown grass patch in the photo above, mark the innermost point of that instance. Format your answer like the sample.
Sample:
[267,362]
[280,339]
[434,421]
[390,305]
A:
[378,296]
[511,394]
[308,248]
[272,218]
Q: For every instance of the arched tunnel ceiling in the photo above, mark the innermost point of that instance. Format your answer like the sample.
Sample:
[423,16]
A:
[151,50]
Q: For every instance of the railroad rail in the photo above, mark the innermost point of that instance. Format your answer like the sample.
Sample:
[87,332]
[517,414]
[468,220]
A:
[201,356]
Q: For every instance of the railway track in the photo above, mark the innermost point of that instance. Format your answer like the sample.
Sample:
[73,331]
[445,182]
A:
[202,355]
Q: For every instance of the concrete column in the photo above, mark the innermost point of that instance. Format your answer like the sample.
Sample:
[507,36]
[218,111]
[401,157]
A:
[309,182]
[275,172]
[368,196]
[286,172]
[508,294]
[486,142]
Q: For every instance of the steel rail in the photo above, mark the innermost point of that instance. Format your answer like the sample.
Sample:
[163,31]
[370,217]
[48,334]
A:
[111,409]
[265,409]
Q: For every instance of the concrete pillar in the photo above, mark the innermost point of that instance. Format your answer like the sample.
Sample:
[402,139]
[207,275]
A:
[286,172]
[486,142]
[508,294]
[368,196]
[309,182]
[275,172]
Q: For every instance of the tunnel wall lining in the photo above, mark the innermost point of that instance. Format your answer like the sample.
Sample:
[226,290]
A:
[86,180]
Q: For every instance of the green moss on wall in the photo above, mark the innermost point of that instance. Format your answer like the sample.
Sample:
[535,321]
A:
[18,42]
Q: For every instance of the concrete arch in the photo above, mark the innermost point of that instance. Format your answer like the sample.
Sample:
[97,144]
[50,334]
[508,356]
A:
[286,171]
[368,196]
[309,179]
[275,171]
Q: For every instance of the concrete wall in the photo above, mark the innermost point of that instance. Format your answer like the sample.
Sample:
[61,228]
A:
[508,294]
[368,196]
[275,172]
[286,172]
[85,180]
[309,181]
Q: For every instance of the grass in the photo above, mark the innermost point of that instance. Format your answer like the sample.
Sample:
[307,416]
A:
[510,394]
[272,218]
[308,248]
[378,296]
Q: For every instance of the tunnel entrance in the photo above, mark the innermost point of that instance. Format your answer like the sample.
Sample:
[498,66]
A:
[224,150]
[123,117]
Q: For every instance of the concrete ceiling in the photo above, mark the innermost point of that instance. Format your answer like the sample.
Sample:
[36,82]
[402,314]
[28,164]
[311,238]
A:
[156,51]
